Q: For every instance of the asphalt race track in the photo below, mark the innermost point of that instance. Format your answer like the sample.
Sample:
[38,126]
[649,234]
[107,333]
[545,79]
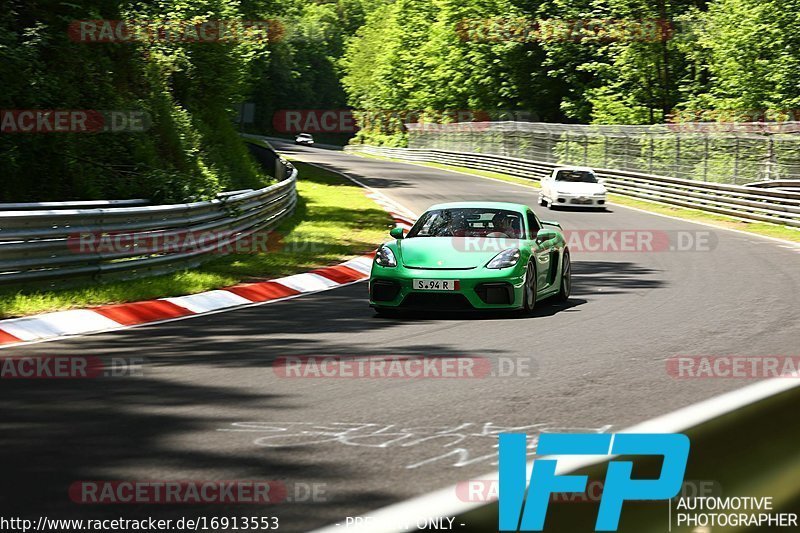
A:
[209,405]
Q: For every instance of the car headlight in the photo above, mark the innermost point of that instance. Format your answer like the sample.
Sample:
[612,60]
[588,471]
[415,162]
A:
[505,259]
[385,257]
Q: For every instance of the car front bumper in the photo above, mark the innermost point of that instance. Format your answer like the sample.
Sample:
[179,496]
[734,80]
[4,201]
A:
[479,288]
[579,200]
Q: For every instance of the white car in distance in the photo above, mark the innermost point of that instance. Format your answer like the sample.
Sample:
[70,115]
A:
[573,187]
[304,138]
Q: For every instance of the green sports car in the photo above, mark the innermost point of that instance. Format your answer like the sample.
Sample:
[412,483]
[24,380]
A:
[471,255]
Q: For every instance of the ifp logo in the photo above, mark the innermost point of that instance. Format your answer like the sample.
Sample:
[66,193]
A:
[619,486]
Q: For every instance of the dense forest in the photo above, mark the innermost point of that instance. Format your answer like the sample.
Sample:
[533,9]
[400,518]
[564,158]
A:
[189,91]
[587,61]
[598,61]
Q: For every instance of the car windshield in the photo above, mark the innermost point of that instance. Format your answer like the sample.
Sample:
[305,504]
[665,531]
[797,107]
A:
[581,176]
[469,222]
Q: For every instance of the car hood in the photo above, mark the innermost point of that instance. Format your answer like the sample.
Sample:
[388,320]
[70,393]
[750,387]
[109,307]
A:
[444,253]
[580,188]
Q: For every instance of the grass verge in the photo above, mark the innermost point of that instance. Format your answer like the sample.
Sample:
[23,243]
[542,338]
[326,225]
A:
[334,221]
[758,228]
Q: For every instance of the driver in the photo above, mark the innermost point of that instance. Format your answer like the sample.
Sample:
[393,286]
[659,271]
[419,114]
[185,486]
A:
[503,226]
[457,225]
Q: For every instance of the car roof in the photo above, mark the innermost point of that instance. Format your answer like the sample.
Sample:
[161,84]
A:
[302,134]
[479,205]
[586,169]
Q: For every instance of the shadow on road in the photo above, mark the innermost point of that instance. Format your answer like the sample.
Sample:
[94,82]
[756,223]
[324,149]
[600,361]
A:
[612,277]
[578,209]
[163,425]
[57,432]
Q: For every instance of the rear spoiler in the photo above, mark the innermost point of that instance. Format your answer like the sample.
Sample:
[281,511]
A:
[551,223]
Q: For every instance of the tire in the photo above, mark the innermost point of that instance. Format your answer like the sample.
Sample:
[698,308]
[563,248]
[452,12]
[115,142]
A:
[565,286]
[542,201]
[528,299]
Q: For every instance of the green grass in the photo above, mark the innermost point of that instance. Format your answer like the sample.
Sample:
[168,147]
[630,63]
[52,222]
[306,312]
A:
[334,221]
[759,228]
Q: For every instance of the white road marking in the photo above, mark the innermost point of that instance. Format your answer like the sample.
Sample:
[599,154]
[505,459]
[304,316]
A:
[208,301]
[360,264]
[307,282]
[395,205]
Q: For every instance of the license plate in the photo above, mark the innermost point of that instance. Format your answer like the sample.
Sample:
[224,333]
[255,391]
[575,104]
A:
[582,201]
[435,285]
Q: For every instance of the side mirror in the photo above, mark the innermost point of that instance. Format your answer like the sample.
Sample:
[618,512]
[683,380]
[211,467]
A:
[601,180]
[396,232]
[545,234]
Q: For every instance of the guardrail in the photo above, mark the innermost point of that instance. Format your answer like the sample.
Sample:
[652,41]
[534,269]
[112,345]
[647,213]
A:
[745,203]
[46,247]
[785,185]
[81,204]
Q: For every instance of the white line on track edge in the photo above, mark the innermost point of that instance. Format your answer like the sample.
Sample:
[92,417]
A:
[376,192]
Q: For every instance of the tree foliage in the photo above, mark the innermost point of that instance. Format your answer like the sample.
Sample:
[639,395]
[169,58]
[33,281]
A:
[190,91]
[601,61]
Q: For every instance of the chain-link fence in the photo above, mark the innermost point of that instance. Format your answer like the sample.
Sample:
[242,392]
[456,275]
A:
[735,153]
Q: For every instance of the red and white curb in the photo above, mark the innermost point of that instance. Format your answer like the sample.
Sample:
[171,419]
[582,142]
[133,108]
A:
[106,318]
[50,326]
